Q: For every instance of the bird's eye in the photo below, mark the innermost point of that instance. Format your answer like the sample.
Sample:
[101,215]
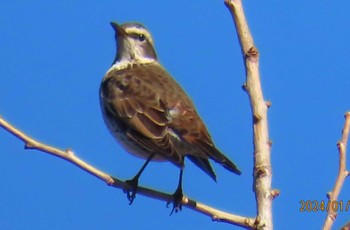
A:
[141,37]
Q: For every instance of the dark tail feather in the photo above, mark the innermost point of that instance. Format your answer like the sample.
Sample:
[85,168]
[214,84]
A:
[227,164]
[203,164]
[220,158]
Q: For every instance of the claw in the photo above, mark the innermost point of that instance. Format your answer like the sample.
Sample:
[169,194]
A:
[131,194]
[177,198]
[134,182]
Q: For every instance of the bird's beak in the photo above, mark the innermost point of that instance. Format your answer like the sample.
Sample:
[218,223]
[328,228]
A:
[118,29]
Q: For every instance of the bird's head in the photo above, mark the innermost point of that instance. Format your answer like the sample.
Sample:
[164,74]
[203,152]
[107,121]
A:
[134,43]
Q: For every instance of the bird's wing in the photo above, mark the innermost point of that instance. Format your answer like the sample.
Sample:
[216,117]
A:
[204,142]
[193,131]
[133,99]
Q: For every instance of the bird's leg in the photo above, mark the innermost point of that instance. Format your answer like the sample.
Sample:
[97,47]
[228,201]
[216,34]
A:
[177,196]
[134,182]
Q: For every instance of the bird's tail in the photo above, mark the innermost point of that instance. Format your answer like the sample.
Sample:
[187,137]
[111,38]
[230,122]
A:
[219,157]
[226,163]
[203,164]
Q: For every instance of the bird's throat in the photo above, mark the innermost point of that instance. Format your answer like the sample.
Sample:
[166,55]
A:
[125,64]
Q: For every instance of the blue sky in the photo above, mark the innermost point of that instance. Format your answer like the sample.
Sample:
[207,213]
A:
[54,55]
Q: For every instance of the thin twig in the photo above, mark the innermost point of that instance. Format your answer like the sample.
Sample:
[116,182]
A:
[342,174]
[68,155]
[262,163]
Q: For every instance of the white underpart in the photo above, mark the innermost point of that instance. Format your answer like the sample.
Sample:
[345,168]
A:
[123,64]
[174,113]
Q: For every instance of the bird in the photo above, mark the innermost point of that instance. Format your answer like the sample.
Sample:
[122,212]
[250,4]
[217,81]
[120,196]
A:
[150,114]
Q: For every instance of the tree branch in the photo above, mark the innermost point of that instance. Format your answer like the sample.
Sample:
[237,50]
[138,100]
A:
[68,155]
[262,164]
[342,174]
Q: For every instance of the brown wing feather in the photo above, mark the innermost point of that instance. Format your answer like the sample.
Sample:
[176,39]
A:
[193,130]
[201,138]
[137,104]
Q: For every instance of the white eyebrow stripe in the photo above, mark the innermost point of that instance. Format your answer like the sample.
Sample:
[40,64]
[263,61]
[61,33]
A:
[135,30]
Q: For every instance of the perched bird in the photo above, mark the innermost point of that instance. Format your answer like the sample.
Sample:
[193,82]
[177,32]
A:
[150,115]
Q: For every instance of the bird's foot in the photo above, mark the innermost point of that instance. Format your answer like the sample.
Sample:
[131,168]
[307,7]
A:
[177,198]
[131,193]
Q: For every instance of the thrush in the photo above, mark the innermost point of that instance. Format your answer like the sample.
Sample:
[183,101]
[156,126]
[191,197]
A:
[148,112]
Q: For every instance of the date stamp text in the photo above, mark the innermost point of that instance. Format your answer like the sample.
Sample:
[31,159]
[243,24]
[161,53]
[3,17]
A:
[315,206]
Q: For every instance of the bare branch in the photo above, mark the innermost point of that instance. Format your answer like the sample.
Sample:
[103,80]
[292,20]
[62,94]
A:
[68,155]
[262,164]
[342,174]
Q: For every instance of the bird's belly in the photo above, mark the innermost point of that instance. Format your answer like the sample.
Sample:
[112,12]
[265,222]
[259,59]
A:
[118,132]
